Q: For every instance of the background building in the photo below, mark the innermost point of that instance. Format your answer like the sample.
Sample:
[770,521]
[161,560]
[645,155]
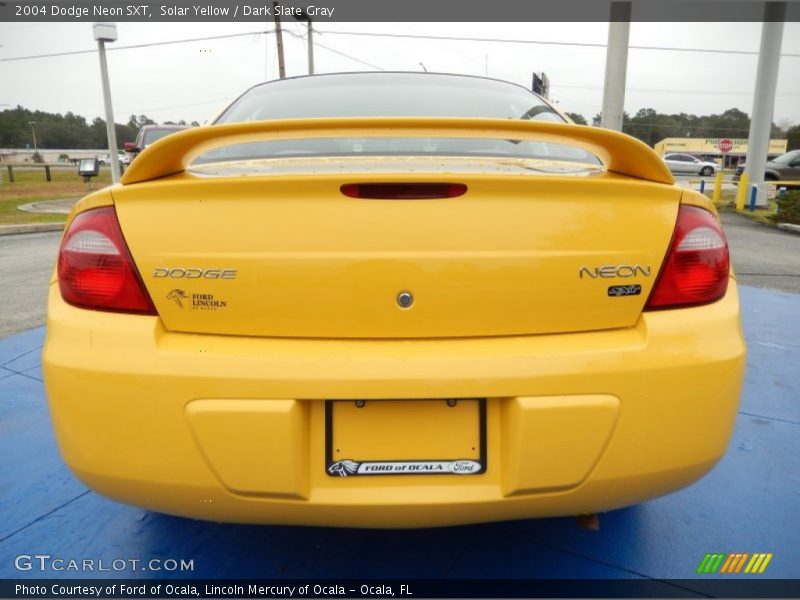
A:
[708,148]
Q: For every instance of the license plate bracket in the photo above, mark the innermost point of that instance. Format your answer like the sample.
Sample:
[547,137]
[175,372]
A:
[405,437]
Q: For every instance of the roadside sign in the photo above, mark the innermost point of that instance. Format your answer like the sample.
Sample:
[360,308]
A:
[725,145]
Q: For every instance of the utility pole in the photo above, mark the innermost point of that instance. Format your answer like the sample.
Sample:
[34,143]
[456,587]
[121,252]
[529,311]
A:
[310,48]
[107,32]
[616,66]
[304,16]
[769,57]
[279,39]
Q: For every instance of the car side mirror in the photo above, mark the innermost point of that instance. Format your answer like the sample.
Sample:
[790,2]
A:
[130,147]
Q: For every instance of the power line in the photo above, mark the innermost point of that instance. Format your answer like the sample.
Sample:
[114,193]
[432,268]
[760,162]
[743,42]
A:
[393,35]
[188,41]
[421,36]
[135,46]
[358,60]
[339,52]
[542,42]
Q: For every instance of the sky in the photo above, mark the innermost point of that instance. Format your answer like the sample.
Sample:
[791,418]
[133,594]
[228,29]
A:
[193,81]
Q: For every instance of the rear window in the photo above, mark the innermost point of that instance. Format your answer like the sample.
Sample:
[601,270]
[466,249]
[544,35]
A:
[372,147]
[153,135]
[387,95]
[391,95]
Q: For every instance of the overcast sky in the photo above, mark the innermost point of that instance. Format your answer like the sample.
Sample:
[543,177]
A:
[193,81]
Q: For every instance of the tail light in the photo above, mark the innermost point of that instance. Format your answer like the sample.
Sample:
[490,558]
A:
[696,268]
[95,268]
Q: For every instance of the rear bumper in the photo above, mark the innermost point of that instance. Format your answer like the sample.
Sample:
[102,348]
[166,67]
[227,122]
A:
[233,429]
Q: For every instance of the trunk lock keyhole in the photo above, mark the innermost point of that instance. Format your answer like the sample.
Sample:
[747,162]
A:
[405,299]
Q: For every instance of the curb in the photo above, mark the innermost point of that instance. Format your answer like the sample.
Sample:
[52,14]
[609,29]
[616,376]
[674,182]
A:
[30,228]
[790,227]
[60,206]
[753,217]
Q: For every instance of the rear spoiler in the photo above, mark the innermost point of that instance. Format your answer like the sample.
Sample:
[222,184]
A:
[619,153]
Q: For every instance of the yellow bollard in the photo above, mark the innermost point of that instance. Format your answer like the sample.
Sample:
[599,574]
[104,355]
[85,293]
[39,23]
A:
[741,192]
[717,187]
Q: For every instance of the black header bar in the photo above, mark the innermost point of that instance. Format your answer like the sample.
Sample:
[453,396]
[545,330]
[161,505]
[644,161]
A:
[322,11]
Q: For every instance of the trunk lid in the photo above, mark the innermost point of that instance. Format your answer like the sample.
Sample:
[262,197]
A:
[532,247]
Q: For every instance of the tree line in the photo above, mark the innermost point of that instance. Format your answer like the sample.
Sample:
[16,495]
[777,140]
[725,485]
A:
[651,127]
[54,130]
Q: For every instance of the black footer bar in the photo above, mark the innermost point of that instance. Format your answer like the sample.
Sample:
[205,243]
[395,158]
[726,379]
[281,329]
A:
[398,588]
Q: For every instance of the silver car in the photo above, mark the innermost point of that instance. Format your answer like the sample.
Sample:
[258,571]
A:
[785,167]
[686,164]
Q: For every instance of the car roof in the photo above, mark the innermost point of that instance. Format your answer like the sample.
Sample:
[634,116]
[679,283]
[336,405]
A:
[170,126]
[313,81]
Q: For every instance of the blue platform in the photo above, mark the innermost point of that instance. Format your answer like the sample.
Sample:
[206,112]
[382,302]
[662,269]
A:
[749,503]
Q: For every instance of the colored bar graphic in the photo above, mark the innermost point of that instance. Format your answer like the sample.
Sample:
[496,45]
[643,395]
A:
[741,563]
[734,562]
[765,563]
[749,567]
[715,564]
[727,567]
[701,568]
[757,564]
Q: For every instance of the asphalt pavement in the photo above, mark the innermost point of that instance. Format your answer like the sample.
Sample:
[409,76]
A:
[26,262]
[763,256]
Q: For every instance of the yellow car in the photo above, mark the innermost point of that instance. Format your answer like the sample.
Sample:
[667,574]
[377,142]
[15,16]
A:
[392,300]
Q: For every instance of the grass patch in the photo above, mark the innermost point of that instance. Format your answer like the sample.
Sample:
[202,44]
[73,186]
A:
[11,215]
[30,182]
[727,203]
[762,215]
[30,185]
[726,197]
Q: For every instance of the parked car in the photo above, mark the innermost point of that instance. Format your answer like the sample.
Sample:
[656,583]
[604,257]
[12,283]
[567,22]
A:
[686,164]
[392,300]
[785,167]
[147,135]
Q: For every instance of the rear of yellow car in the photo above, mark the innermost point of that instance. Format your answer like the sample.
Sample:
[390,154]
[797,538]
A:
[402,342]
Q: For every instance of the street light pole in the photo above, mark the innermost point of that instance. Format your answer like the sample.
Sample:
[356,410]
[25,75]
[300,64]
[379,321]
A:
[616,66]
[107,32]
[33,130]
[769,57]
